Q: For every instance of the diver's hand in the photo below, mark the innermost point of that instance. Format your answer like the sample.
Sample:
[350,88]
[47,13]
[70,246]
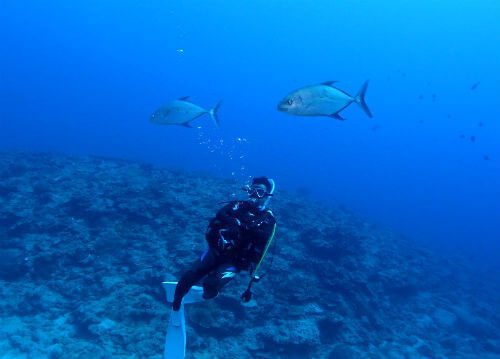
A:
[225,243]
[246,296]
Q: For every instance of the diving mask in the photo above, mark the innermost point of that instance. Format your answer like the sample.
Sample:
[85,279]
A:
[256,191]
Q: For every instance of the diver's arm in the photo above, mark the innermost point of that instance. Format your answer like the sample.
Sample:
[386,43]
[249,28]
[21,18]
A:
[247,295]
[262,245]
[227,214]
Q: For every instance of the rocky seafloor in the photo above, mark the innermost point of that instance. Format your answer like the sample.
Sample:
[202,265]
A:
[86,242]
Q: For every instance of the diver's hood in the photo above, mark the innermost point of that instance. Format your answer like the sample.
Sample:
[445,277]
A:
[272,187]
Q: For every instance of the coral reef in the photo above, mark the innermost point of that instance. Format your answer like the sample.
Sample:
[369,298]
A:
[86,242]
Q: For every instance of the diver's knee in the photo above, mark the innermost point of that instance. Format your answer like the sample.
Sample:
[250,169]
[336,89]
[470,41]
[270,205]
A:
[190,277]
[209,291]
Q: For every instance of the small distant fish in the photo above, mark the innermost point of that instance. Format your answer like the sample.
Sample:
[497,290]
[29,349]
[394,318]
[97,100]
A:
[474,86]
[420,121]
[449,116]
[181,112]
[462,136]
[480,124]
[486,158]
[433,97]
[473,138]
[322,100]
[180,51]
[376,128]
[421,97]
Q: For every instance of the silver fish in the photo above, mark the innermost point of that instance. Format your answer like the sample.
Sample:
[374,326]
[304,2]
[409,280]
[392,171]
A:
[322,100]
[181,112]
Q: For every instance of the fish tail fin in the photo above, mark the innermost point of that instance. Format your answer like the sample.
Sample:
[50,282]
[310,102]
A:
[213,113]
[360,99]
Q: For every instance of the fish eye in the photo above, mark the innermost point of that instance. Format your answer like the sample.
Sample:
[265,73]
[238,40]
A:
[289,101]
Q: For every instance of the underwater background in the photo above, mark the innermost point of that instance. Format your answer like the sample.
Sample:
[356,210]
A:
[82,78]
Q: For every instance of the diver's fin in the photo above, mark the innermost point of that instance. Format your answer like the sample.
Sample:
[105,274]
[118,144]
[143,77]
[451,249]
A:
[337,117]
[360,99]
[183,98]
[194,295]
[213,113]
[329,83]
[169,288]
[175,340]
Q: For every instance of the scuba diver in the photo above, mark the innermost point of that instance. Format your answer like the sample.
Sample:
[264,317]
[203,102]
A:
[238,238]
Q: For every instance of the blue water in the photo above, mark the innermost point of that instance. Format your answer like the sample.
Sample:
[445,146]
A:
[83,77]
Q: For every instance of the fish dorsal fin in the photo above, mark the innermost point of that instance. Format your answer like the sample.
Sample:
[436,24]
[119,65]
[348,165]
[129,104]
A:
[329,83]
[183,98]
[186,124]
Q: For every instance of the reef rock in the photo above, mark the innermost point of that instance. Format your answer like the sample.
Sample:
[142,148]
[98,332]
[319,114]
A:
[86,242]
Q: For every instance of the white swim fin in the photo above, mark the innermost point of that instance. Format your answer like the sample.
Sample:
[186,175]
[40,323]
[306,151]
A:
[175,341]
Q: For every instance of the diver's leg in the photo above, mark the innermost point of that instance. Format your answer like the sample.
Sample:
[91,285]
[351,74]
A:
[216,280]
[202,267]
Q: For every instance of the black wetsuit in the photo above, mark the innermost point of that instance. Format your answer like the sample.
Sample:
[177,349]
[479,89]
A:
[236,237]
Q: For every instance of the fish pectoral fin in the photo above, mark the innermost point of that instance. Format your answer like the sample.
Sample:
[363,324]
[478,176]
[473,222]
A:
[329,83]
[183,98]
[337,117]
[186,124]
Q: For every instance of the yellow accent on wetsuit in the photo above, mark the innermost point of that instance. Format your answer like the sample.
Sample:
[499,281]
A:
[265,251]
